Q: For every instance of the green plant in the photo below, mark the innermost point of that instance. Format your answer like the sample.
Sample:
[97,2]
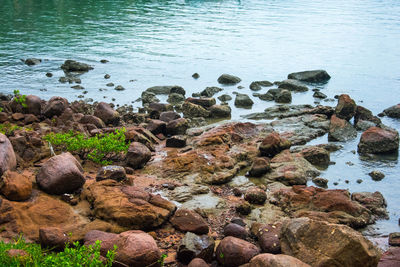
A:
[74,255]
[20,99]
[161,260]
[99,148]
[1,109]
[8,128]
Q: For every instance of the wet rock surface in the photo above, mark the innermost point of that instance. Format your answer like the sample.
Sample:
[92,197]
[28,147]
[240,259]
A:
[314,76]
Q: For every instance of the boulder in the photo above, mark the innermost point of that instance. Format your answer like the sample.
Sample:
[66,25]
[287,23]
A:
[127,206]
[340,130]
[134,248]
[346,107]
[268,237]
[293,85]
[195,246]
[33,105]
[138,155]
[107,114]
[273,144]
[324,244]
[210,91]
[161,90]
[15,186]
[313,76]
[7,156]
[235,230]
[90,119]
[376,175]
[60,174]
[283,96]
[377,140]
[53,238]
[260,166]
[55,106]
[393,111]
[266,97]
[149,97]
[233,251]
[191,110]
[319,95]
[391,258]
[177,90]
[228,79]
[168,116]
[271,260]
[112,172]
[255,195]
[189,221]
[375,202]
[175,99]
[220,111]
[177,127]
[157,127]
[316,155]
[176,141]
[365,114]
[256,86]
[243,101]
[72,65]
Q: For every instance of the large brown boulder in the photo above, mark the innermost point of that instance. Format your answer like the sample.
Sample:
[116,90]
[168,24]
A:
[189,221]
[273,144]
[33,105]
[232,251]
[377,140]
[134,248]
[323,244]
[106,113]
[7,156]
[138,155]
[53,237]
[271,260]
[15,186]
[128,206]
[346,107]
[268,237]
[316,155]
[177,127]
[55,106]
[60,174]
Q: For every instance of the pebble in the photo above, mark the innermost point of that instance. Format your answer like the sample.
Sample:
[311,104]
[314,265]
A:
[107,76]
[49,74]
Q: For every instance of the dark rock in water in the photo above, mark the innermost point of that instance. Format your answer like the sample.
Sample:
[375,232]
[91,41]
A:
[177,141]
[393,111]
[394,239]
[55,106]
[228,79]
[346,107]
[233,251]
[138,155]
[205,102]
[191,110]
[293,85]
[110,84]
[390,258]
[119,88]
[260,167]
[107,76]
[112,172]
[177,90]
[104,61]
[49,74]
[177,127]
[243,100]
[319,95]
[161,90]
[313,76]
[210,91]
[107,114]
[189,221]
[220,111]
[60,174]
[256,86]
[255,195]
[341,130]
[72,65]
[272,144]
[377,140]
[376,175]
[364,125]
[224,98]
[148,97]
[32,61]
[79,87]
[365,115]
[267,97]
[168,116]
[175,99]
[195,246]
[235,230]
[321,182]
[196,75]
[299,236]
[283,96]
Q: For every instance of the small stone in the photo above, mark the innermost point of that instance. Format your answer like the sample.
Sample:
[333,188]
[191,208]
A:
[237,192]
[235,230]
[49,74]
[255,195]
[110,84]
[78,87]
[359,181]
[104,61]
[176,141]
[107,76]
[196,75]
[228,79]
[318,94]
[376,175]
[119,88]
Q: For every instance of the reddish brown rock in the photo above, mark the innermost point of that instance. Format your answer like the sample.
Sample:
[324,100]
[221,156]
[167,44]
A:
[52,237]
[168,116]
[60,174]
[255,195]
[346,107]
[157,127]
[138,155]
[323,244]
[394,239]
[235,230]
[197,262]
[90,119]
[390,258]
[15,186]
[271,260]
[365,115]
[375,202]
[260,166]
[268,237]
[7,156]
[316,155]
[55,106]
[107,114]
[340,130]
[273,144]
[377,140]
[189,221]
[233,251]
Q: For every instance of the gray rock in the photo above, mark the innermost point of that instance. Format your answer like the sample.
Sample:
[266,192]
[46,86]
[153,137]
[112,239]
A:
[195,246]
[393,111]
[376,175]
[148,97]
[319,95]
[210,91]
[256,86]
[160,90]
[314,76]
[175,99]
[243,100]
[228,79]
[321,182]
[283,96]
[119,88]
[191,110]
[32,61]
[177,90]
[266,97]
[293,85]
[72,65]
[224,98]
[7,155]
[220,111]
[341,130]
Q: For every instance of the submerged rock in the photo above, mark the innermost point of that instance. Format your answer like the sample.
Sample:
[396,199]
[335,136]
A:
[210,91]
[228,79]
[72,65]
[293,85]
[341,130]
[314,76]
[32,61]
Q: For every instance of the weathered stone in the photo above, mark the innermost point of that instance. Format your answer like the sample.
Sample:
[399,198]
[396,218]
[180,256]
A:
[293,85]
[390,258]
[53,237]
[161,90]
[271,260]
[157,127]
[107,114]
[256,86]
[191,110]
[233,251]
[189,221]
[321,182]
[220,111]
[272,144]
[319,95]
[72,65]
[375,202]
[205,102]
[55,106]
[177,127]
[365,115]
[268,237]
[112,172]
[235,230]
[376,175]
[138,155]
[346,107]
[168,116]
[377,140]
[323,244]
[260,166]
[283,96]
[175,99]
[90,119]
[119,88]
[224,98]
[316,155]
[60,174]
[255,195]
[7,156]
[313,76]
[341,130]
[149,97]
[177,141]
[393,111]
[244,208]
[243,101]
[210,91]
[394,239]
[15,186]
[197,262]
[228,79]
[195,246]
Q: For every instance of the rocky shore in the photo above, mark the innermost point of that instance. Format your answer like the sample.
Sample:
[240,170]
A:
[199,192]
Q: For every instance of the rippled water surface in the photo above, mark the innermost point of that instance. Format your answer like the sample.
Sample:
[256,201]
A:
[164,42]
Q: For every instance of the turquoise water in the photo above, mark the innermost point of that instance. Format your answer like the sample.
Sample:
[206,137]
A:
[152,43]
